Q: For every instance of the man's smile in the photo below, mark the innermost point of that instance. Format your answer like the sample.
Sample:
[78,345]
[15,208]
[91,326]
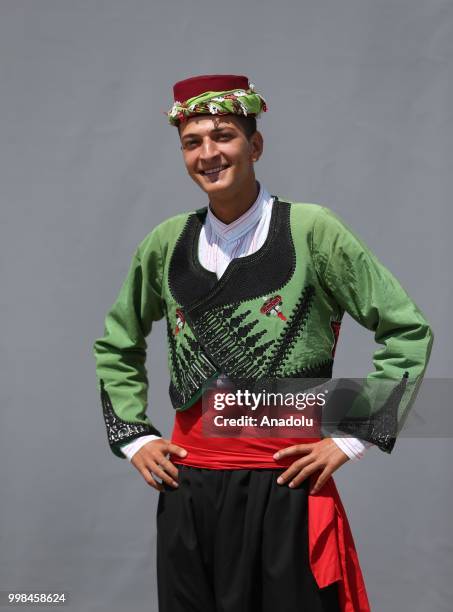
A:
[216,170]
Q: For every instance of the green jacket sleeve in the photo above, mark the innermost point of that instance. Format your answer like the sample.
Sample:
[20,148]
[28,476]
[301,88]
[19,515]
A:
[365,289]
[121,352]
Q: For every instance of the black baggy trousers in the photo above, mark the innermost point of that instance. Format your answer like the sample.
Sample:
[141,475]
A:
[236,541]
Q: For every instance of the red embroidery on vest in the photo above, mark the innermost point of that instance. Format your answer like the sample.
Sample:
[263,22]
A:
[180,321]
[272,307]
[335,325]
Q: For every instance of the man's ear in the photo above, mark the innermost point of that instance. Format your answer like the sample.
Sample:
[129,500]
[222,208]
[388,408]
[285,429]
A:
[257,145]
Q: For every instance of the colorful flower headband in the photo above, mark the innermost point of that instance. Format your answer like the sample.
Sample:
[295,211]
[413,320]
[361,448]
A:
[245,102]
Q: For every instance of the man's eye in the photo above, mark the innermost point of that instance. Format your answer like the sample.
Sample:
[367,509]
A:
[225,137]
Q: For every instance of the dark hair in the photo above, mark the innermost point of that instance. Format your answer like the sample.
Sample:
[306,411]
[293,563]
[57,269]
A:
[248,125]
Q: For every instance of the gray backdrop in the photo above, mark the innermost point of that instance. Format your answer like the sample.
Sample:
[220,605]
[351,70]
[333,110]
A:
[360,116]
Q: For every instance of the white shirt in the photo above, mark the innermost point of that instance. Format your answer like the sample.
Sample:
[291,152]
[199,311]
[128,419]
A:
[219,243]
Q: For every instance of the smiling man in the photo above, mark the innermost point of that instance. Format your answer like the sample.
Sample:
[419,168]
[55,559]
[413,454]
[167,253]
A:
[219,153]
[252,287]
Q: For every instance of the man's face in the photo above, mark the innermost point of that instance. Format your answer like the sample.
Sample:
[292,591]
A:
[217,154]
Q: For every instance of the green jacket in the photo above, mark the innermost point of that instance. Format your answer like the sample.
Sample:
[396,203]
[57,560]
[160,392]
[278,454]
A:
[274,314]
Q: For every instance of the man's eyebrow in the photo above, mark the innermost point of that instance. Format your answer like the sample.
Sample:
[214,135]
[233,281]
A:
[216,130]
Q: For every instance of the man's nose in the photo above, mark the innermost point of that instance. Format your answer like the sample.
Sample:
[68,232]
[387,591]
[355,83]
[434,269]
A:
[208,149]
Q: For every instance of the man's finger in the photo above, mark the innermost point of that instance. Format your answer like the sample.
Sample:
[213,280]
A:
[174,449]
[161,460]
[150,480]
[297,449]
[303,474]
[321,481]
[160,473]
[294,469]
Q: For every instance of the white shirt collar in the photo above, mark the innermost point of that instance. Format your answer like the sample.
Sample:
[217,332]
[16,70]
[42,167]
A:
[232,231]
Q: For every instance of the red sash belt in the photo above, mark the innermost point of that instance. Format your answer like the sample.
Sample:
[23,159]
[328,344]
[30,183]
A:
[332,552]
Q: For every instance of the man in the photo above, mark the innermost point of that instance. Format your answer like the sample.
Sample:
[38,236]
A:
[248,524]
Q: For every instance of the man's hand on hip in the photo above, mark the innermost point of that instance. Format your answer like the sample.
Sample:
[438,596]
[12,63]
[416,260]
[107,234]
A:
[152,461]
[324,456]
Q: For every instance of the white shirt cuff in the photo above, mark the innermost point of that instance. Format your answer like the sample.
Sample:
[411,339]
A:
[354,448]
[131,448]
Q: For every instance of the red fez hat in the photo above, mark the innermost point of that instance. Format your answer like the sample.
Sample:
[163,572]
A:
[197,85]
